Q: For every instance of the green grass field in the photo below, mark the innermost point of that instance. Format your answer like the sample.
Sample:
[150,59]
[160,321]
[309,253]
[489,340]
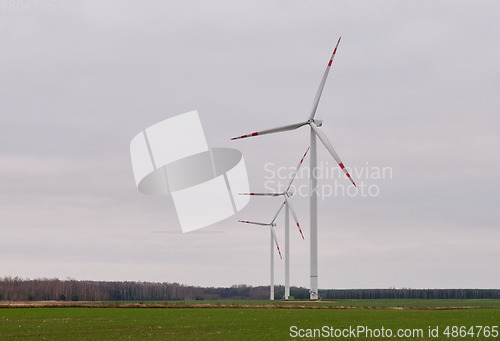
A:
[238,323]
[374,303]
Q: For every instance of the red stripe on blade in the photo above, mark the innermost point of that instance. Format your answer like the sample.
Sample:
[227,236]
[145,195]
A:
[341,165]
[303,157]
[349,176]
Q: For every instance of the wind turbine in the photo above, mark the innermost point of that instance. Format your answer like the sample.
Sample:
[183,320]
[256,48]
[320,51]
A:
[271,225]
[289,207]
[315,131]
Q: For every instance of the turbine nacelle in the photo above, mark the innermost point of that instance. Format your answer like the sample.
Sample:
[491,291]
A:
[318,123]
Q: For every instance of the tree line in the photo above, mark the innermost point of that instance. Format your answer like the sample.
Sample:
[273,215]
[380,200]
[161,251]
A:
[18,289]
[410,294]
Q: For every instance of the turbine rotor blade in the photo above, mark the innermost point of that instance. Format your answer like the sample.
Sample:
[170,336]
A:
[321,135]
[277,213]
[289,204]
[273,130]
[297,170]
[252,222]
[273,232]
[322,84]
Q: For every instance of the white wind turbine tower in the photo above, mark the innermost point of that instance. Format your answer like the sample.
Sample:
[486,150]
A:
[315,131]
[289,207]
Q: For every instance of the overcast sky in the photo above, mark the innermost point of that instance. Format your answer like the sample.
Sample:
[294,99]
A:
[414,88]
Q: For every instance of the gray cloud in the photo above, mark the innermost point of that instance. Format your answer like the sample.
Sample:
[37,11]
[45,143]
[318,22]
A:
[414,87]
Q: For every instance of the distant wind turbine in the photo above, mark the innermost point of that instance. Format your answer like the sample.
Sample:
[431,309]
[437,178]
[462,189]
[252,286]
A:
[289,207]
[274,240]
[315,131]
